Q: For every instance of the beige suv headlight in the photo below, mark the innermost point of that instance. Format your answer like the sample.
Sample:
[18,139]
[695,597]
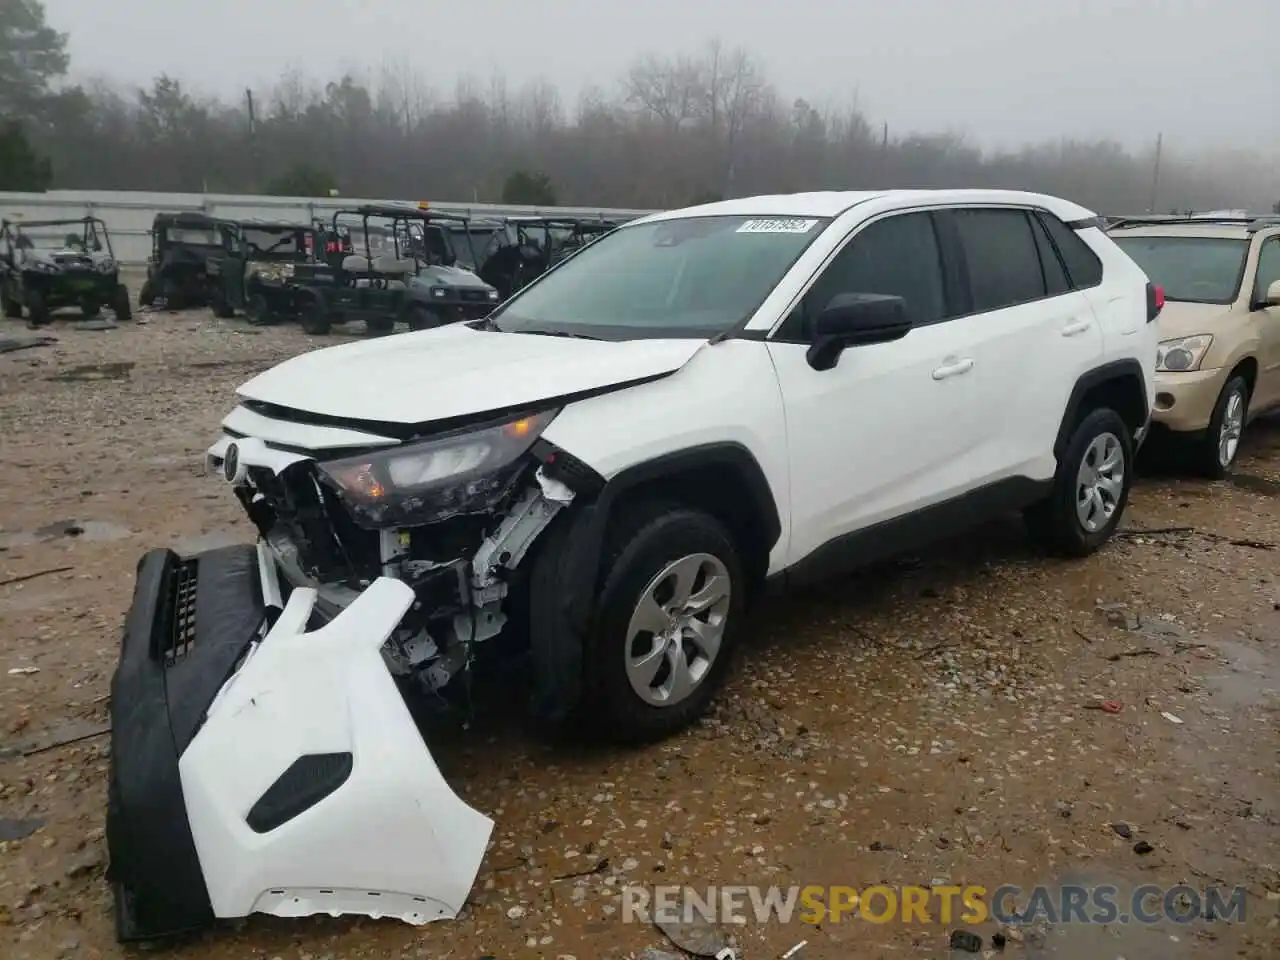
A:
[1182,355]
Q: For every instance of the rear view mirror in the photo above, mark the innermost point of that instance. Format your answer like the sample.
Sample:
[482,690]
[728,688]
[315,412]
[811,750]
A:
[853,320]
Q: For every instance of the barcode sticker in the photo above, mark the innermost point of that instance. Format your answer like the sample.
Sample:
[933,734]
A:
[778,225]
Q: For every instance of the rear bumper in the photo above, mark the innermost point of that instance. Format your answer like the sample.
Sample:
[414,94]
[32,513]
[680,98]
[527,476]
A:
[283,776]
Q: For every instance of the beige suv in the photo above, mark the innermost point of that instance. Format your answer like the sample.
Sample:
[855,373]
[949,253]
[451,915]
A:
[1218,365]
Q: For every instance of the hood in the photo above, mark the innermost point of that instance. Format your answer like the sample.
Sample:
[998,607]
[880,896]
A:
[437,275]
[455,371]
[1181,319]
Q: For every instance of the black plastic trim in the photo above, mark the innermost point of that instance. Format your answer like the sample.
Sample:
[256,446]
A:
[306,781]
[588,535]
[1115,370]
[892,538]
[559,464]
[158,705]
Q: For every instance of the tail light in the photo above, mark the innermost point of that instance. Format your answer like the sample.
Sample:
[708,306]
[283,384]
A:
[1155,301]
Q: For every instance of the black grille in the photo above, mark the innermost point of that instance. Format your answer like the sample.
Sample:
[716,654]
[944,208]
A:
[176,630]
[475,296]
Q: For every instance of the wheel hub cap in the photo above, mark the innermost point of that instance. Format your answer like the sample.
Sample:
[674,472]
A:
[1100,482]
[1232,427]
[676,628]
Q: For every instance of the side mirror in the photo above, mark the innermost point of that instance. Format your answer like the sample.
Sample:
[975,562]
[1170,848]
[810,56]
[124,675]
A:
[855,320]
[1272,299]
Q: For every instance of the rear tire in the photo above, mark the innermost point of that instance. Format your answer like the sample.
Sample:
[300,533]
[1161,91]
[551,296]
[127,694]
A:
[120,304]
[171,293]
[314,319]
[222,309]
[1215,455]
[1090,489]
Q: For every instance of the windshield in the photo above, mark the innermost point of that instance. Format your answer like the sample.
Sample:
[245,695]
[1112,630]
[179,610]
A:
[54,237]
[1190,269]
[195,236]
[689,277]
[274,243]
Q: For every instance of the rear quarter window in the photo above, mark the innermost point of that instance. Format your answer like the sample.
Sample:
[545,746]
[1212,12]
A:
[1083,266]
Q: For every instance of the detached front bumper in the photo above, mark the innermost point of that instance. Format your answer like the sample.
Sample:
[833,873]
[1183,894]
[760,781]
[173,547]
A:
[271,770]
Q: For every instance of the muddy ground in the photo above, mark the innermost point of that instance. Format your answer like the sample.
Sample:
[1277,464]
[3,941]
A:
[936,720]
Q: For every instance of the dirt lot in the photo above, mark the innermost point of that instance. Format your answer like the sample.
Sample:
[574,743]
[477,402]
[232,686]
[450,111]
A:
[928,722]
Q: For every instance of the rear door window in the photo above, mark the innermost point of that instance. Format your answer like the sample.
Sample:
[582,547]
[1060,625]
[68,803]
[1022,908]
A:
[1003,262]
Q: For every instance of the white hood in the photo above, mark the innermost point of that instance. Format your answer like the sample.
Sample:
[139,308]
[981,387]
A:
[454,371]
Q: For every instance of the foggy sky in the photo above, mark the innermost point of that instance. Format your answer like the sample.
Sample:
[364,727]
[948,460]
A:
[1000,71]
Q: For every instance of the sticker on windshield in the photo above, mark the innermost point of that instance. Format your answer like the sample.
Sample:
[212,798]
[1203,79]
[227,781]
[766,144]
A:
[777,225]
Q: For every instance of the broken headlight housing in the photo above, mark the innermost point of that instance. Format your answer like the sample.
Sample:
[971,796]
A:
[433,480]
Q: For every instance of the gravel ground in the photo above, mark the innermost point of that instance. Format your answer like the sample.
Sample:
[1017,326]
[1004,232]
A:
[932,720]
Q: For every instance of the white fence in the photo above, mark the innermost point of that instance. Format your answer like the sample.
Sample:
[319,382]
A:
[128,214]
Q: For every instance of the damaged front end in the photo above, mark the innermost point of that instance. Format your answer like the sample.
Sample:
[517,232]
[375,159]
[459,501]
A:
[263,759]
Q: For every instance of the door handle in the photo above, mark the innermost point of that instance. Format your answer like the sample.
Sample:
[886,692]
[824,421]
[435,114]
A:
[1076,327]
[953,368]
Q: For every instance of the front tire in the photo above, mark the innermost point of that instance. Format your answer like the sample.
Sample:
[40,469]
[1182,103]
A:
[147,295]
[38,313]
[1215,456]
[257,311]
[662,635]
[1090,489]
[314,318]
[423,318]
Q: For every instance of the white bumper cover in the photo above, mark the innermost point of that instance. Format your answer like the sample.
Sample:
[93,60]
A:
[392,840]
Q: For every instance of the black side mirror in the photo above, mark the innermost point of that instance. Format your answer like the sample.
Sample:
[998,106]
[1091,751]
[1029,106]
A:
[855,320]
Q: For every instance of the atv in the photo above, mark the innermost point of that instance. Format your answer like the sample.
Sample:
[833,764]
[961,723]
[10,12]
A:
[178,272]
[525,248]
[49,264]
[402,267]
[257,270]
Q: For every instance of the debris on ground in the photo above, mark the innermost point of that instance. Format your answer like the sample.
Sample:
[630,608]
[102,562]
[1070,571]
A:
[684,925]
[13,344]
[966,941]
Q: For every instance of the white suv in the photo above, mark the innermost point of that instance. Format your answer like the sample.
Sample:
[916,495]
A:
[601,475]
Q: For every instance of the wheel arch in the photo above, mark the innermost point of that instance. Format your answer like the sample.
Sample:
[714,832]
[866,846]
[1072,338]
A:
[723,478]
[1119,385]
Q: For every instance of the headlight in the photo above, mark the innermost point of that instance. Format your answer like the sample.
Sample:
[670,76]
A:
[1182,355]
[43,266]
[439,292]
[427,482]
[106,266]
[493,294]
[286,270]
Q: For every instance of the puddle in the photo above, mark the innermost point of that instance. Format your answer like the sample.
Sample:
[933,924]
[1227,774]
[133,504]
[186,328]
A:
[93,530]
[1132,940]
[1260,485]
[201,542]
[1251,679]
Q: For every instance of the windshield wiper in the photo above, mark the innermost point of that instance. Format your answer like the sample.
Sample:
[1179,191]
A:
[557,333]
[484,323]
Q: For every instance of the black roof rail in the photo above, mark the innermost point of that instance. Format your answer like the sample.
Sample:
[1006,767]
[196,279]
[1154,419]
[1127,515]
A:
[1251,223]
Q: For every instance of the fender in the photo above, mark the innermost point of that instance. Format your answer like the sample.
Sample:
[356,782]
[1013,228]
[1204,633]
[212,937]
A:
[1089,380]
[570,569]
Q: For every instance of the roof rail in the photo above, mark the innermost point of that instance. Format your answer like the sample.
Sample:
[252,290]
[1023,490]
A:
[1250,223]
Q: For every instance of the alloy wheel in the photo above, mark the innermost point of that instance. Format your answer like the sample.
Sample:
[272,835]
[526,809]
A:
[676,629]
[1100,482]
